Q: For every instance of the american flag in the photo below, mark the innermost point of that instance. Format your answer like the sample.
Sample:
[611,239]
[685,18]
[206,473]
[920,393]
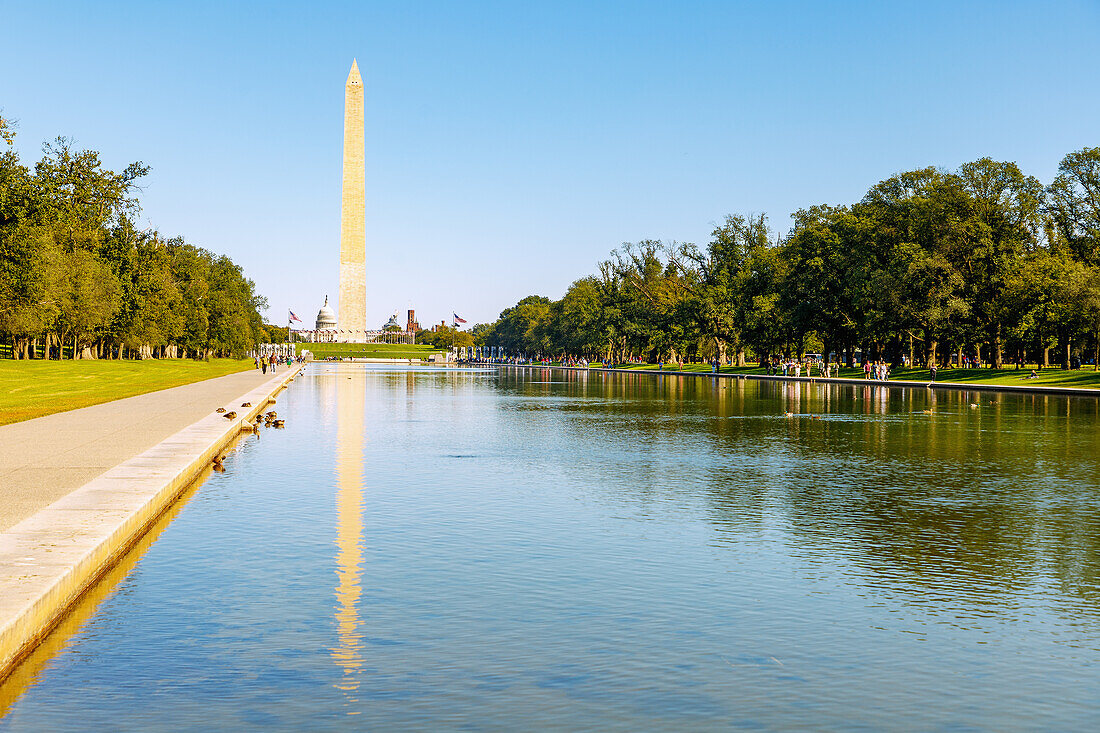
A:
[293,317]
[457,319]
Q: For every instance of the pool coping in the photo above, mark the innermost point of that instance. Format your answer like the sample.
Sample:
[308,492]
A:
[49,559]
[1093,392]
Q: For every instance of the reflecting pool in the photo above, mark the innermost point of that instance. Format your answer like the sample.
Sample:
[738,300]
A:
[533,549]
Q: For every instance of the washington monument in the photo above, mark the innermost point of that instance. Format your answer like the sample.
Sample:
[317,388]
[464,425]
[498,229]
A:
[353,260]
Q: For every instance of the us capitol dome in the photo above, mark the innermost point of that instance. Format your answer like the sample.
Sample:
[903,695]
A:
[325,317]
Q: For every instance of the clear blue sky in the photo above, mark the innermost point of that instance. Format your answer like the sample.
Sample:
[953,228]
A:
[512,145]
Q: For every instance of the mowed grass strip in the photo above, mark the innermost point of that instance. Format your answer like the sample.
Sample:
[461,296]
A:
[1049,377]
[370,351]
[1084,377]
[30,389]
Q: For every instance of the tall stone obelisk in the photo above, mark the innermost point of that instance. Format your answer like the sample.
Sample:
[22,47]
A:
[353,258]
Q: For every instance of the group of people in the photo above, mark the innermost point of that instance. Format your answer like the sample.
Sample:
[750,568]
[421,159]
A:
[794,368]
[877,370]
[270,361]
[874,370]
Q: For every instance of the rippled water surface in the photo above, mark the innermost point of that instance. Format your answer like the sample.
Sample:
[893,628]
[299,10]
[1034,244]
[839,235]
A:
[435,549]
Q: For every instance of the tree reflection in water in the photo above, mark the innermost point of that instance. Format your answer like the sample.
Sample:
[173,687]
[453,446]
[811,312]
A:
[972,506]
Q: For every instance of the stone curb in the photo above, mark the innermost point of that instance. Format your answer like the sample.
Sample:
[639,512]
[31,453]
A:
[958,386]
[48,560]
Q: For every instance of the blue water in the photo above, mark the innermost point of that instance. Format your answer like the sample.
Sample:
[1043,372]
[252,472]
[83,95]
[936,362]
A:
[430,549]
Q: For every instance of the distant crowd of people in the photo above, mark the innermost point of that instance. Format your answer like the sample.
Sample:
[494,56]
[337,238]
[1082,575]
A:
[809,365]
[270,361]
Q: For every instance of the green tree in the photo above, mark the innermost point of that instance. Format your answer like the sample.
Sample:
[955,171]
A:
[821,254]
[520,328]
[479,332]
[1009,205]
[578,324]
[89,297]
[31,276]
[1074,203]
[716,280]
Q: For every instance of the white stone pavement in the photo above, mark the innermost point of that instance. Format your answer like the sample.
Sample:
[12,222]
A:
[56,549]
[42,460]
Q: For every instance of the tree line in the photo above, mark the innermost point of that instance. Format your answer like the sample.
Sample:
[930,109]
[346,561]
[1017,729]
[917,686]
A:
[78,278]
[931,265]
[444,337]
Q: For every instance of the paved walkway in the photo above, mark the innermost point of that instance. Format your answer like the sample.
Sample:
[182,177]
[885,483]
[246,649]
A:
[43,459]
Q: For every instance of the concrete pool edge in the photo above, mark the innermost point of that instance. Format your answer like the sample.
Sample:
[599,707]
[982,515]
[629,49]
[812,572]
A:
[954,386]
[49,560]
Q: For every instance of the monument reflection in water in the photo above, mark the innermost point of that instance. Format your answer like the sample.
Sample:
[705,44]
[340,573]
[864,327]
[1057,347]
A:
[348,653]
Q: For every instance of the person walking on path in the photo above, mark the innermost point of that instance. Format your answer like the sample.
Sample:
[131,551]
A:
[932,369]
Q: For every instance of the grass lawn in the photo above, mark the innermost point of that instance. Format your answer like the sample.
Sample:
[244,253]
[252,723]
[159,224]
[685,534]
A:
[36,388]
[1049,377]
[370,351]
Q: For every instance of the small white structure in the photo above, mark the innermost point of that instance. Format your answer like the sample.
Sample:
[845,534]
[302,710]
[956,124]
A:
[326,318]
[326,331]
